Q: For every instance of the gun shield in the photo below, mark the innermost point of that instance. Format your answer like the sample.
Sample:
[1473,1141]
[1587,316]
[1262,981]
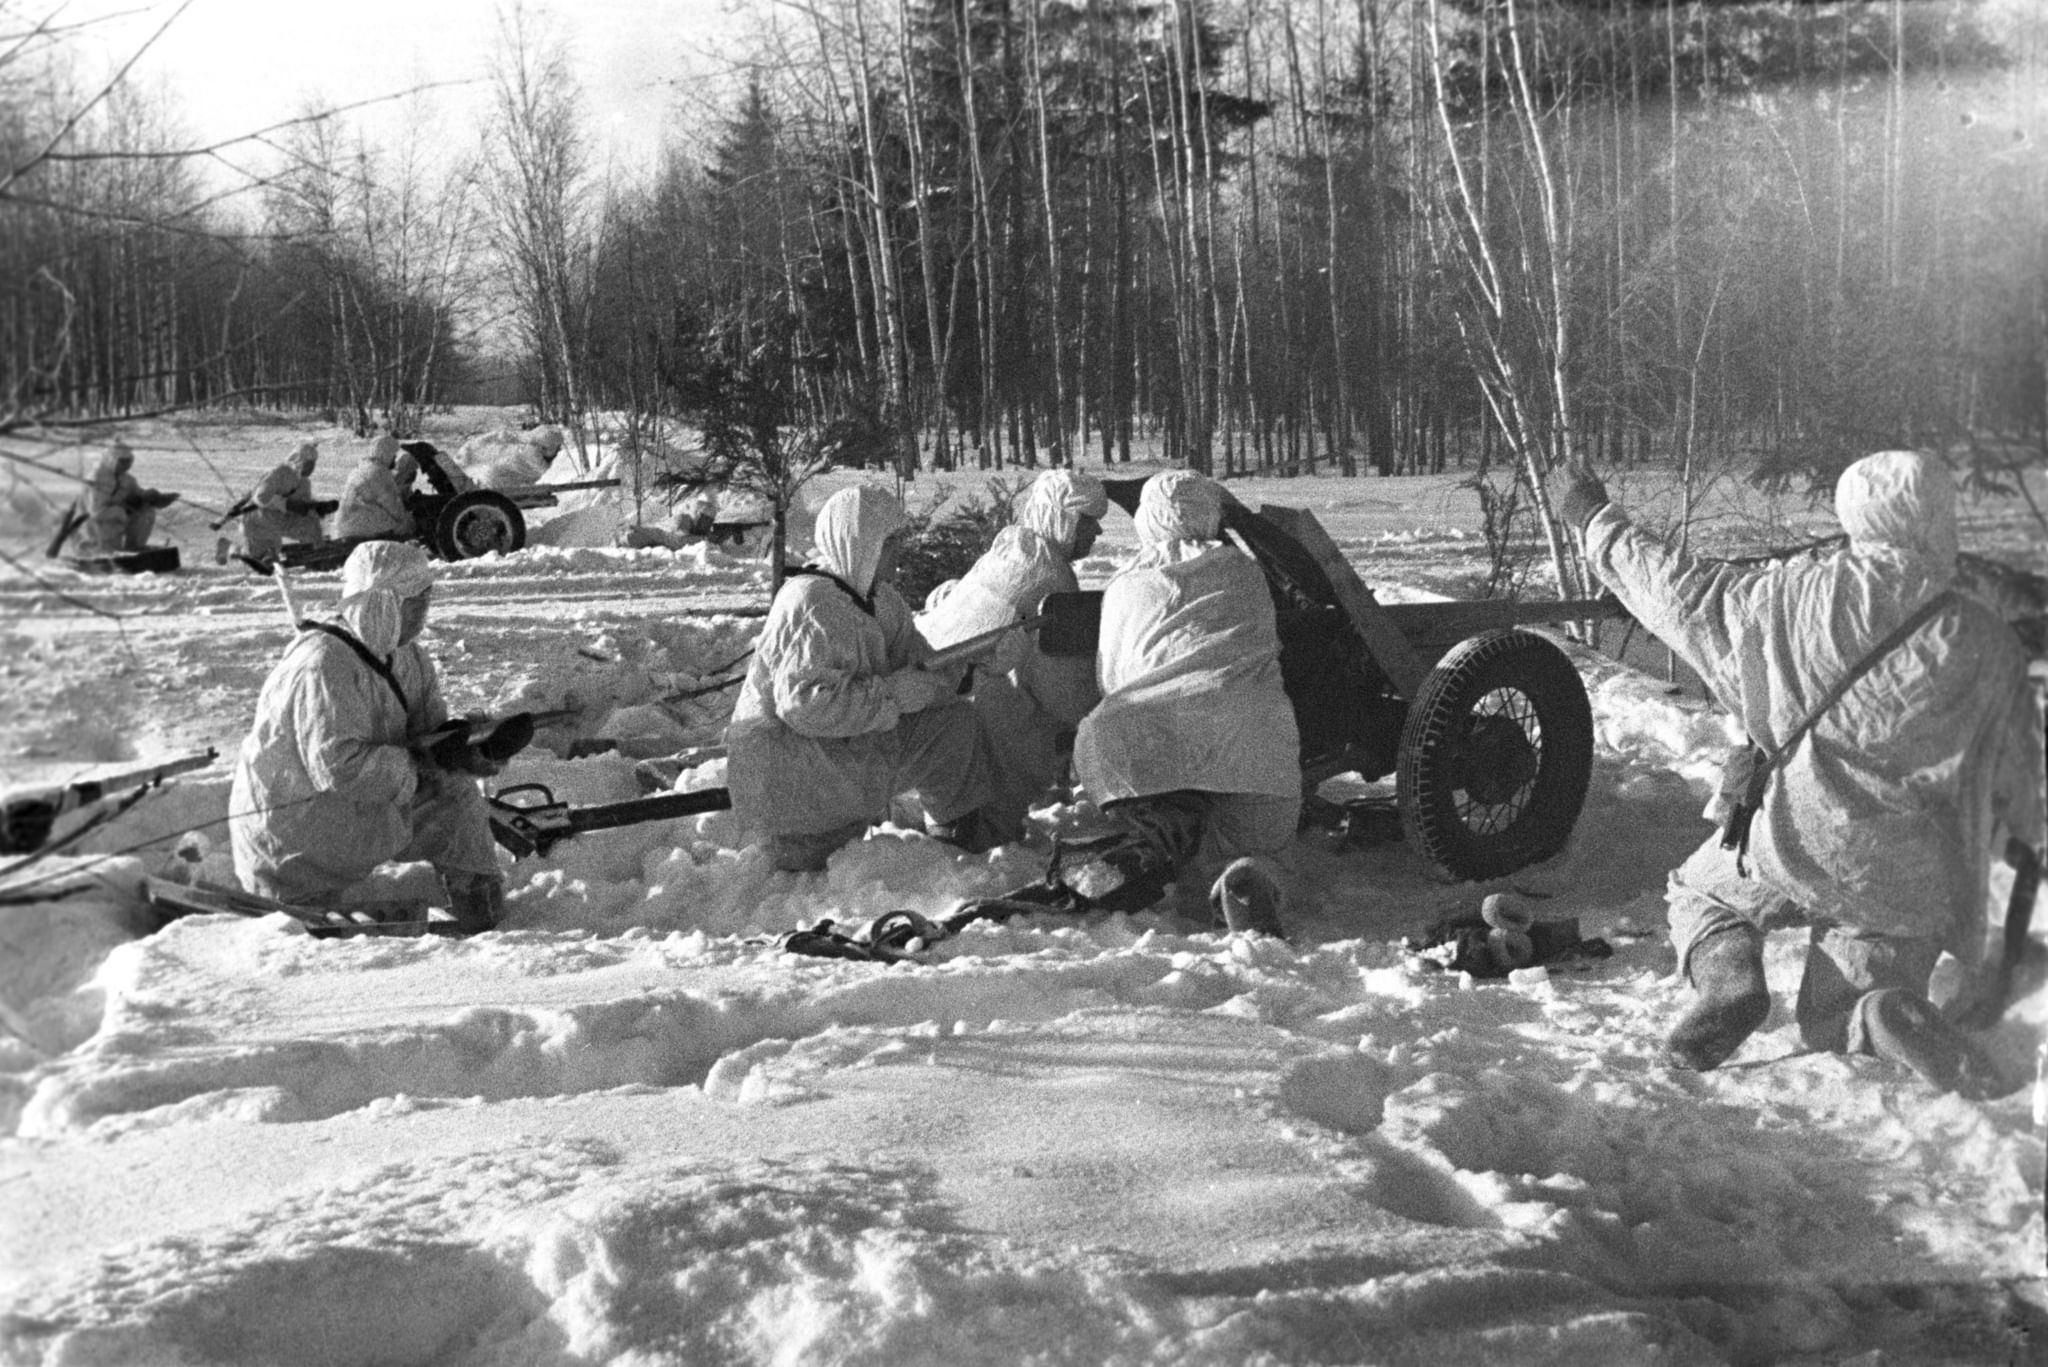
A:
[1072,623]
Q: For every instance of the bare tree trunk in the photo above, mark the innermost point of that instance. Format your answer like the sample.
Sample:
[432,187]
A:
[1055,349]
[1497,308]
[889,293]
[936,354]
[1333,263]
[536,192]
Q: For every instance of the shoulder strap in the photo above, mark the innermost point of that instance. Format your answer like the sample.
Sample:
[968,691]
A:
[865,604]
[1897,638]
[378,667]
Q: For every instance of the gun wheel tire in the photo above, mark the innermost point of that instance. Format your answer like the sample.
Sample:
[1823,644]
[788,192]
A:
[477,522]
[1495,756]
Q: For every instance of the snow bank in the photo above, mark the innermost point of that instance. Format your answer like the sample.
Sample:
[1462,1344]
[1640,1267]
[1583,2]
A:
[504,457]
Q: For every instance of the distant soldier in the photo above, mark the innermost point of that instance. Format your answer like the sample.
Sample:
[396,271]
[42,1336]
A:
[405,470]
[282,508]
[697,512]
[119,512]
[372,502]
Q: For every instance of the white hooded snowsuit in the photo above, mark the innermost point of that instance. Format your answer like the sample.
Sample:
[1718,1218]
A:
[1880,825]
[820,741]
[372,504]
[283,506]
[1192,700]
[326,787]
[120,513]
[1027,702]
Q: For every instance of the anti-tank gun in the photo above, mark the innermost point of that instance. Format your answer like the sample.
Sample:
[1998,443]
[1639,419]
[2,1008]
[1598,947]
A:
[1485,727]
[458,520]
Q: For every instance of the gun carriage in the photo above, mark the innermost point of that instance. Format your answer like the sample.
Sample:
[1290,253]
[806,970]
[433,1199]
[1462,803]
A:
[453,521]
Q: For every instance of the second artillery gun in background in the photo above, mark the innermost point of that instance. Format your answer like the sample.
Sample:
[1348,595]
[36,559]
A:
[454,519]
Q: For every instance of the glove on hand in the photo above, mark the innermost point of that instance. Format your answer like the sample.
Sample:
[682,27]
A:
[1576,493]
[913,690]
[449,748]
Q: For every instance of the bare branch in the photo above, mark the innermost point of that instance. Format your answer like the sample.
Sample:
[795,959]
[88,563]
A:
[17,172]
[259,135]
[163,224]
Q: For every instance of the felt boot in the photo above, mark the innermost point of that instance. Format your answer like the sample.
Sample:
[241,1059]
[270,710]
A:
[1727,971]
[974,833]
[1248,897]
[1905,1028]
[476,899]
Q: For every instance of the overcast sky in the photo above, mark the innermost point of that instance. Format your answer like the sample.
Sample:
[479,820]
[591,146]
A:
[238,65]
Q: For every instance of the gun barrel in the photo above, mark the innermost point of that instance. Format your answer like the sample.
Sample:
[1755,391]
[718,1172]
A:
[574,485]
[974,647]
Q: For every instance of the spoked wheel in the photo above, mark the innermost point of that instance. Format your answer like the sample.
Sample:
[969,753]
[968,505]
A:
[478,522]
[1495,756]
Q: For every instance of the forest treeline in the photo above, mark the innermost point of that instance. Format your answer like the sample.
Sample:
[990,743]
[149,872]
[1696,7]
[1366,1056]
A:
[1368,236]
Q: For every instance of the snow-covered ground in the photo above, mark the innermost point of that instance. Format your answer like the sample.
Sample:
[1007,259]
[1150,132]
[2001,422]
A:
[627,1128]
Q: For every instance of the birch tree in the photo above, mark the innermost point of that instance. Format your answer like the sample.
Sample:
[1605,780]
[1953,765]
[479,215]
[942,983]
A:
[547,214]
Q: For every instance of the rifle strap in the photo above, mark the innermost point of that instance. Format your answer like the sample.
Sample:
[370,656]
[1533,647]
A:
[1899,634]
[381,668]
[1764,762]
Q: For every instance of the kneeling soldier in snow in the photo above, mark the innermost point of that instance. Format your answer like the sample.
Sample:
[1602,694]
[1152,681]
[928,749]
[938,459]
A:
[281,507]
[1194,749]
[1880,801]
[334,778]
[1028,702]
[835,717]
[372,502]
[119,512]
